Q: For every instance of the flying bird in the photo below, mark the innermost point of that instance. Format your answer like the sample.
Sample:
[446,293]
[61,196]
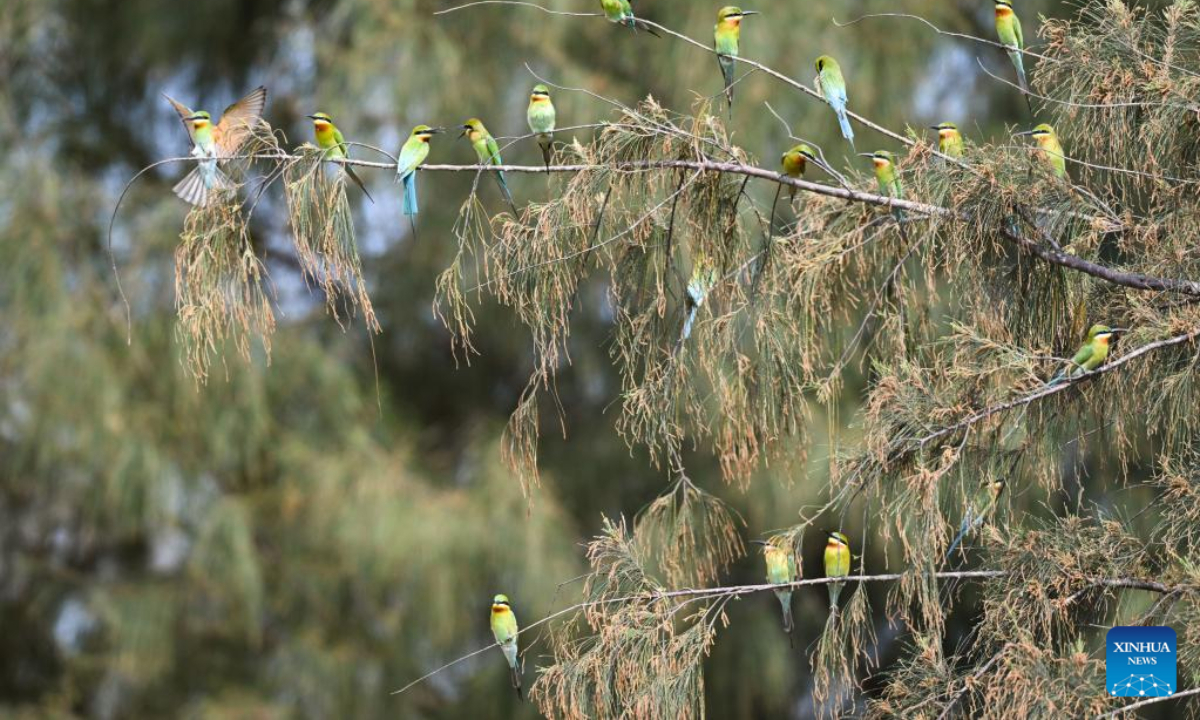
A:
[212,144]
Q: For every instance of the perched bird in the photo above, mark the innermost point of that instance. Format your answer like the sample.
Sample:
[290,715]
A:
[833,88]
[334,147]
[488,153]
[837,564]
[781,570]
[704,278]
[1008,28]
[885,173]
[977,510]
[889,181]
[950,141]
[621,13]
[794,162]
[725,42]
[412,154]
[1090,355]
[504,628]
[541,119]
[1050,150]
[212,144]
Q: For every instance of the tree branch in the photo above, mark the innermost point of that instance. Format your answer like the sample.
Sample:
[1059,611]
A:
[1137,281]
[1054,389]
[735,591]
[1149,701]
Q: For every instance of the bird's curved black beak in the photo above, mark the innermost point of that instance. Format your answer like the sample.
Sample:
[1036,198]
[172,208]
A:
[935,127]
[195,117]
[437,130]
[866,155]
[311,117]
[764,543]
[1022,134]
[750,12]
[465,130]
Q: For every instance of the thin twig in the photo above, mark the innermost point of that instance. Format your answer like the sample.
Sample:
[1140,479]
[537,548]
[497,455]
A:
[1148,701]
[1055,389]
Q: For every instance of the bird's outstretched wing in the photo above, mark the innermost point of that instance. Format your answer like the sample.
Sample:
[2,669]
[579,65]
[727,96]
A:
[239,121]
[184,111]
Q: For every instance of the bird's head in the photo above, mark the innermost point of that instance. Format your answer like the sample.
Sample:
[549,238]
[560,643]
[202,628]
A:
[473,125]
[1004,7]
[321,121]
[200,119]
[424,132]
[731,14]
[540,93]
[1039,132]
[837,539]
[825,61]
[500,603]
[1102,333]
[881,158]
[995,487]
[945,130]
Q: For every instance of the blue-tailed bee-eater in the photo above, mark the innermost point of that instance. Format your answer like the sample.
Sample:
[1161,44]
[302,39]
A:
[504,628]
[832,86]
[541,118]
[1050,150]
[1090,355]
[889,182]
[212,144]
[621,13]
[1008,28]
[795,161]
[725,41]
[781,570]
[488,153]
[977,511]
[704,278]
[412,154]
[333,146]
[837,564]
[950,141]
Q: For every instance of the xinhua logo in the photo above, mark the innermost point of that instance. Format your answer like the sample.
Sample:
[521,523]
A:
[1140,661]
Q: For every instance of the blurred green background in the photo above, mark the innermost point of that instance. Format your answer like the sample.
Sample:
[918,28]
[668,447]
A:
[292,539]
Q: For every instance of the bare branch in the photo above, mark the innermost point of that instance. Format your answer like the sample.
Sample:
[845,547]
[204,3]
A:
[1149,701]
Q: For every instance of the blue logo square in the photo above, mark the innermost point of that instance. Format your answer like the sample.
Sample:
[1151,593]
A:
[1140,661]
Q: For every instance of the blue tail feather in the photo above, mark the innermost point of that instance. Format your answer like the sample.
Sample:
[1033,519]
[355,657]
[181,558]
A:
[410,193]
[844,123]
[504,188]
